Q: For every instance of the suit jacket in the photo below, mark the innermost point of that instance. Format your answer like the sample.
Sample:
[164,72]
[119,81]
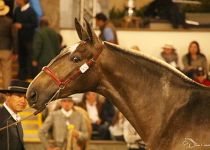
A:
[106,110]
[11,139]
[99,106]
[57,122]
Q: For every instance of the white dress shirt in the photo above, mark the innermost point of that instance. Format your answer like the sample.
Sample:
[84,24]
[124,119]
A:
[25,7]
[93,112]
[66,113]
[15,116]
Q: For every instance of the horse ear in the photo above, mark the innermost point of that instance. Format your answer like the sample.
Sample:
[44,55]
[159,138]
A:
[93,37]
[83,35]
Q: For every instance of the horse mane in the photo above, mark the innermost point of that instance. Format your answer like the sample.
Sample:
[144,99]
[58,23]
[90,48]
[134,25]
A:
[154,60]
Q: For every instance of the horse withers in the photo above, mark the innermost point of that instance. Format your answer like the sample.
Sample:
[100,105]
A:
[168,110]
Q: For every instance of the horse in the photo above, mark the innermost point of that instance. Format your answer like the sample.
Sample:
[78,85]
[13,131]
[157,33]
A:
[168,110]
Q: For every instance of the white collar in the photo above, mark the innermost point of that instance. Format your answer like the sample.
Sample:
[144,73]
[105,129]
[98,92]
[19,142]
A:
[25,7]
[66,113]
[14,115]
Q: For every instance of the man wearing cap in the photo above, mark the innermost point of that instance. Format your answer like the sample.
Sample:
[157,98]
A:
[108,32]
[6,44]
[59,121]
[12,137]
[169,55]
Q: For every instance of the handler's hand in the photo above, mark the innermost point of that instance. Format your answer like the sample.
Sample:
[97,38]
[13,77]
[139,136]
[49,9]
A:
[75,134]
[18,25]
[34,63]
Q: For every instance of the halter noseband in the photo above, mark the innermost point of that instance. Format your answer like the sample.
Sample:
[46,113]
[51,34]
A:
[76,73]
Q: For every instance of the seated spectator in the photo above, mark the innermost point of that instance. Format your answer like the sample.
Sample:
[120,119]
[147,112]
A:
[133,140]
[116,128]
[107,115]
[169,55]
[200,77]
[99,114]
[194,59]
[65,123]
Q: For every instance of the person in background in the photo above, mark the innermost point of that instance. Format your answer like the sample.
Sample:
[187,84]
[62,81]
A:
[12,137]
[107,114]
[107,29]
[25,22]
[116,128]
[46,45]
[200,77]
[99,113]
[194,59]
[7,48]
[60,121]
[169,55]
[133,140]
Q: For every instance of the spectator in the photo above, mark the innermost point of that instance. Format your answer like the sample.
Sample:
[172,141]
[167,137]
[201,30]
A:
[116,128]
[169,55]
[59,121]
[12,137]
[6,38]
[46,45]
[97,114]
[25,22]
[194,59]
[107,115]
[108,32]
[133,140]
[200,77]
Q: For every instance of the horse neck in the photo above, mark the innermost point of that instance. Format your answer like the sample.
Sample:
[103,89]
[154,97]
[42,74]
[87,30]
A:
[121,81]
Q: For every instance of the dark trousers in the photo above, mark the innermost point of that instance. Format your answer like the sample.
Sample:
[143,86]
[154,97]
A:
[102,132]
[25,60]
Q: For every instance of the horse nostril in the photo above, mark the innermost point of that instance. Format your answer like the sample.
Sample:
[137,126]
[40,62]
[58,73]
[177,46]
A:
[33,97]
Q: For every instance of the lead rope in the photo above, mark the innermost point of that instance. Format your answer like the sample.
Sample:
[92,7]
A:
[33,114]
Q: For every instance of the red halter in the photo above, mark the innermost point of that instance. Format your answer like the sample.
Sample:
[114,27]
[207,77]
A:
[80,70]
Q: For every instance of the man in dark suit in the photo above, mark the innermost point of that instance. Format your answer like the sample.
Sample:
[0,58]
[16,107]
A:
[25,23]
[12,137]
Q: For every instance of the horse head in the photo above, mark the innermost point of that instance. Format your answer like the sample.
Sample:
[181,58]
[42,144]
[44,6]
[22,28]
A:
[69,72]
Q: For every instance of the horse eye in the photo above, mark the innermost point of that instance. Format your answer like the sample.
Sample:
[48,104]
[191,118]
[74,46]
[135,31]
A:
[75,59]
